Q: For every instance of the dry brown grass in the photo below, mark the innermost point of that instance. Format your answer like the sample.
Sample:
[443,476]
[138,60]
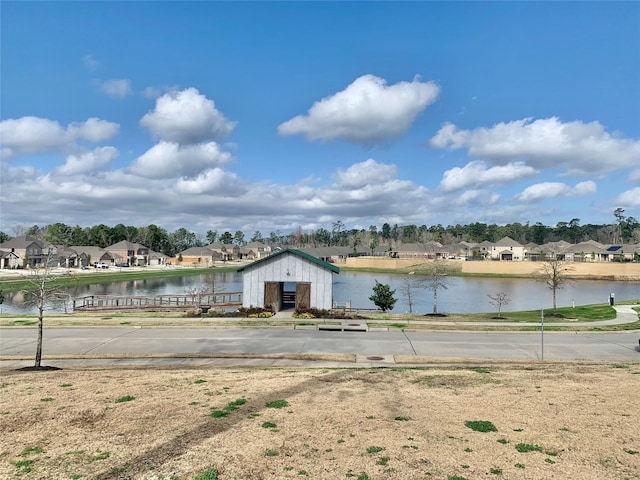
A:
[68,424]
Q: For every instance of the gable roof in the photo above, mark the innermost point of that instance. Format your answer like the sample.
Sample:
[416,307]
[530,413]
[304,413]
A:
[507,242]
[297,253]
[127,245]
[22,242]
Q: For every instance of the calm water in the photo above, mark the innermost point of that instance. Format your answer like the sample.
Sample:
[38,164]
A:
[463,295]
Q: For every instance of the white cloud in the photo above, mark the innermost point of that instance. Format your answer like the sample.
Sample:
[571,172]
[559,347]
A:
[477,197]
[116,88]
[579,148]
[630,198]
[90,63]
[634,176]
[93,130]
[32,135]
[477,173]
[215,181]
[367,112]
[186,117]
[365,173]
[542,191]
[87,162]
[167,159]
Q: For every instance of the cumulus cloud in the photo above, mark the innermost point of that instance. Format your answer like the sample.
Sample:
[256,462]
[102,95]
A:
[168,159]
[31,135]
[93,130]
[116,88]
[542,191]
[365,173]
[87,162]
[186,117]
[367,112]
[215,181]
[630,198]
[473,197]
[477,173]
[579,148]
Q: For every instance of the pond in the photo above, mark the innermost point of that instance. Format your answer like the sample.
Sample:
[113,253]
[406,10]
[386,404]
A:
[463,294]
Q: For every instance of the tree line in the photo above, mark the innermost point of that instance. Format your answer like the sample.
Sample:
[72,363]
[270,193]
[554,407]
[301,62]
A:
[622,230]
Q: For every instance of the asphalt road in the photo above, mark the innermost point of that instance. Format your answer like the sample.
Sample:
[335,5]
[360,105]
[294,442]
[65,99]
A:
[127,342]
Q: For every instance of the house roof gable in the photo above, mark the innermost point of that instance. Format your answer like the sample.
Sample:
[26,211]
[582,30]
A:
[507,242]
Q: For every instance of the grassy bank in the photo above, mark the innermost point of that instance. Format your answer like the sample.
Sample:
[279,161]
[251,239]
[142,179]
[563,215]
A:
[122,275]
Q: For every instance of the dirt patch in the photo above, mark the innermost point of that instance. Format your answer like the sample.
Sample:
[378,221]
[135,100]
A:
[390,423]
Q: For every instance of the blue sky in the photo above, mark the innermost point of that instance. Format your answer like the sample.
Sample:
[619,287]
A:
[277,116]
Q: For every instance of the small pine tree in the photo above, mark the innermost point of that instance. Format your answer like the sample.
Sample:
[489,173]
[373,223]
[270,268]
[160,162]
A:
[383,296]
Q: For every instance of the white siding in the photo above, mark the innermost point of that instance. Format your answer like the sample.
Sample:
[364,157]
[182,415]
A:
[287,267]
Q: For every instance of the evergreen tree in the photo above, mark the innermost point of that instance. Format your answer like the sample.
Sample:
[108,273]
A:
[383,296]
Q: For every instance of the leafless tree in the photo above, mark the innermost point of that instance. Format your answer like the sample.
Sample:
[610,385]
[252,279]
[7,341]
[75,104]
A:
[554,273]
[499,300]
[436,277]
[45,288]
[210,288]
[411,285]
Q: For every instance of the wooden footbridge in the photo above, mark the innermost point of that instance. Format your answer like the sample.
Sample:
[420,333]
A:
[159,303]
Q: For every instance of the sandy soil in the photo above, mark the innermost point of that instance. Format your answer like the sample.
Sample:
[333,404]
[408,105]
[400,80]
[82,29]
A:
[385,423]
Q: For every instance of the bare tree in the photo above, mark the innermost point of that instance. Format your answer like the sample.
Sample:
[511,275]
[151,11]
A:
[209,289]
[554,273]
[44,289]
[499,300]
[437,272]
[411,284]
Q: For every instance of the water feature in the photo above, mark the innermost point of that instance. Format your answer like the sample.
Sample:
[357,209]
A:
[463,295]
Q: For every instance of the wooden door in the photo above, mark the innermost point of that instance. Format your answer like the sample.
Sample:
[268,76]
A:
[272,295]
[303,295]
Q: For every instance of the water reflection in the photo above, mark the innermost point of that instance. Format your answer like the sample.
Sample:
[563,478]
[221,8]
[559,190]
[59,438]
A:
[463,294]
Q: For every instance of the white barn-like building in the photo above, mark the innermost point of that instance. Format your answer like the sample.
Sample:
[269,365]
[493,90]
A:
[288,279]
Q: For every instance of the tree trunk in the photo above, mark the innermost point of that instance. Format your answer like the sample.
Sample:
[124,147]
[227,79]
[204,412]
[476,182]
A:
[39,343]
[435,301]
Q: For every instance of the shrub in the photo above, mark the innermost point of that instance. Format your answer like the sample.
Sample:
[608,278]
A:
[305,312]
[193,313]
[527,447]
[481,426]
[262,312]
[125,398]
[277,404]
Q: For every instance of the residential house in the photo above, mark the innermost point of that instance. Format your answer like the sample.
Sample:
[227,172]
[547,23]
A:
[87,256]
[507,249]
[31,252]
[226,251]
[255,251]
[419,251]
[198,255]
[329,254]
[9,260]
[129,252]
